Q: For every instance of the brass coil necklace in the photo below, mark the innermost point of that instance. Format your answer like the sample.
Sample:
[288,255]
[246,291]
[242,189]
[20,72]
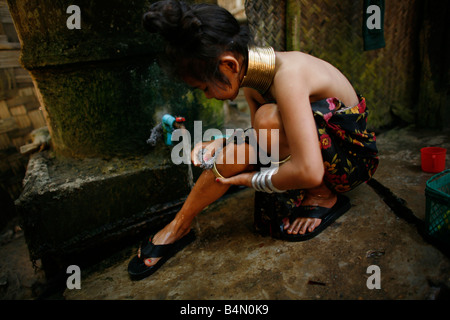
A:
[260,70]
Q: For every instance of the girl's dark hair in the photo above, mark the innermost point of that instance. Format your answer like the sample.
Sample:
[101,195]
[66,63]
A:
[196,35]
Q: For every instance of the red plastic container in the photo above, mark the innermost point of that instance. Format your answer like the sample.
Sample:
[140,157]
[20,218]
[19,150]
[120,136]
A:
[433,159]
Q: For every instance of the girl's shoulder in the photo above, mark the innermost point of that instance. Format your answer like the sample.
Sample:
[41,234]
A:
[314,75]
[298,62]
[293,68]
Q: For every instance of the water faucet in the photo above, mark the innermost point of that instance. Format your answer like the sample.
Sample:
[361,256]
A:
[168,124]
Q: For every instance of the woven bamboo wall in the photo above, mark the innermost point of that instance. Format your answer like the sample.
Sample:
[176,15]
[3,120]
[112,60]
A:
[266,19]
[331,30]
[19,107]
[235,7]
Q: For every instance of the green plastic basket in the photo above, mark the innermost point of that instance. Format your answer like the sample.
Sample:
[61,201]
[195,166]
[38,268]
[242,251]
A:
[437,194]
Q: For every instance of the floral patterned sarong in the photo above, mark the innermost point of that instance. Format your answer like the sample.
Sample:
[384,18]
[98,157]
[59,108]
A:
[349,155]
[349,152]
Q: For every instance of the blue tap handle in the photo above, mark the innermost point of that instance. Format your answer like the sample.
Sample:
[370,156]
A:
[167,122]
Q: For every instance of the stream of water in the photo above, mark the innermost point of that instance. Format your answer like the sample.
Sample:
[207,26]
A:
[190,176]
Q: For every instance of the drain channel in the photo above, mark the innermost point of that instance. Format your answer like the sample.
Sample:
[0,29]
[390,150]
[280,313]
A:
[401,210]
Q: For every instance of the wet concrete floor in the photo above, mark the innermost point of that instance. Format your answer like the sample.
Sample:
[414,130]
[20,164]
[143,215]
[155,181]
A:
[228,260]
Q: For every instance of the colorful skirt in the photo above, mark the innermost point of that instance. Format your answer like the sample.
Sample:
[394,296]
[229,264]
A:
[350,157]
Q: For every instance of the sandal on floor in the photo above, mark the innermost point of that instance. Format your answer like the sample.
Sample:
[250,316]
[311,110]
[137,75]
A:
[137,268]
[328,216]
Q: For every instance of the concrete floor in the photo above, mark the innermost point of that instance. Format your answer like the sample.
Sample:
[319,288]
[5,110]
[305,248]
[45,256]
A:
[229,261]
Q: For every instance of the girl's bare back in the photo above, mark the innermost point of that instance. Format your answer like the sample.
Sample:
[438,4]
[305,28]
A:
[323,79]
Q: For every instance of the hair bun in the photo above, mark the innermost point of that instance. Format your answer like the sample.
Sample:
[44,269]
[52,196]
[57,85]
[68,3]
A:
[195,37]
[172,19]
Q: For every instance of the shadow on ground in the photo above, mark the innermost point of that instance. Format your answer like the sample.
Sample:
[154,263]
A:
[229,261]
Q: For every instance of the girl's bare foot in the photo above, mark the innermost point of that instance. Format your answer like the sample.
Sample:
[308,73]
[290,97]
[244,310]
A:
[169,234]
[320,196]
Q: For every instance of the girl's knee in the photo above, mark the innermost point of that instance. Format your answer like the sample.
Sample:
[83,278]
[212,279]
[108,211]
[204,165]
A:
[269,126]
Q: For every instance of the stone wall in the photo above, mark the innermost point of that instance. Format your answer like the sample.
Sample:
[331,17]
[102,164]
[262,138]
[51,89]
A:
[101,92]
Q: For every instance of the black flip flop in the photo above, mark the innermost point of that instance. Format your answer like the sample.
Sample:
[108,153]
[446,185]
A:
[328,216]
[137,268]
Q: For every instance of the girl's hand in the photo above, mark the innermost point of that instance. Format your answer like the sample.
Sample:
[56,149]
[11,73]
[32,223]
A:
[209,149]
[197,148]
[242,179]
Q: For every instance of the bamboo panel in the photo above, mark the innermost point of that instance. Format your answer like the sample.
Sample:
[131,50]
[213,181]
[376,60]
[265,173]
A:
[332,30]
[18,111]
[266,20]
[7,125]
[5,142]
[28,91]
[7,83]
[4,111]
[236,8]
[37,119]
[23,121]
[19,107]
[9,59]
[21,99]
[5,17]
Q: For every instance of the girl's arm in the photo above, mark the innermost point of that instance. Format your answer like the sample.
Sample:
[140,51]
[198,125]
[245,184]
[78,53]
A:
[210,148]
[252,104]
[305,168]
